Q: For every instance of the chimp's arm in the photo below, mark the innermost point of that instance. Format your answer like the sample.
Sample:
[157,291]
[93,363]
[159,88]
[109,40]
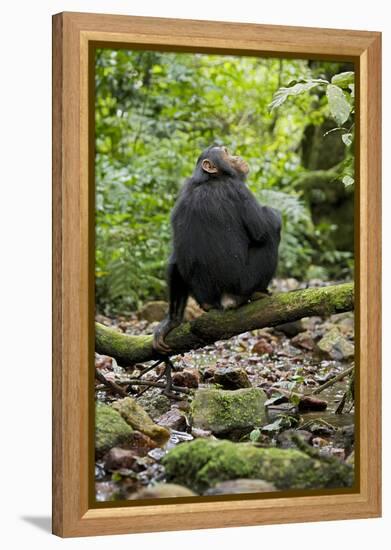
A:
[260,221]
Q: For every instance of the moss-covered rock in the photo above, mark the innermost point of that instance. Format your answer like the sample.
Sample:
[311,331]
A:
[136,417]
[110,429]
[203,463]
[224,411]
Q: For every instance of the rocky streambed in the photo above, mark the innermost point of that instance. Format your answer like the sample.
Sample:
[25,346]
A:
[260,416]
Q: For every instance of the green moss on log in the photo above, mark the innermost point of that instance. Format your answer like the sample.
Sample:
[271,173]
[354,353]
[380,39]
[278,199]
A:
[124,348]
[219,325]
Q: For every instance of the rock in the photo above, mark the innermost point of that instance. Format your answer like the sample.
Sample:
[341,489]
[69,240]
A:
[107,490]
[262,347]
[322,429]
[111,429]
[183,405]
[153,311]
[344,437]
[283,285]
[310,403]
[197,432]
[231,378]
[345,322]
[155,405]
[140,443]
[319,442]
[163,490]
[311,323]
[136,417]
[222,411]
[336,346]
[100,472]
[346,326]
[188,378]
[173,420]
[237,486]
[157,310]
[120,459]
[207,374]
[103,361]
[285,439]
[265,333]
[291,329]
[304,340]
[202,463]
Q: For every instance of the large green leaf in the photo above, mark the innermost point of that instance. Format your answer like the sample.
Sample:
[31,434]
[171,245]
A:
[283,93]
[343,79]
[339,105]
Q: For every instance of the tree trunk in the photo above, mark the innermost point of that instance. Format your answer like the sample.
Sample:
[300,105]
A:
[218,325]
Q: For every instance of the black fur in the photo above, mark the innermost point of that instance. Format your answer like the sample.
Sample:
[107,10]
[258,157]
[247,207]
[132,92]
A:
[224,241]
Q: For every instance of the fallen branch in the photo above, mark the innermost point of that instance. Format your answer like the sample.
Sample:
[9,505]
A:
[110,383]
[153,384]
[333,380]
[218,325]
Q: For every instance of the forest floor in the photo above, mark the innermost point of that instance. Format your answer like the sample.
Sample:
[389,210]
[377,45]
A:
[287,365]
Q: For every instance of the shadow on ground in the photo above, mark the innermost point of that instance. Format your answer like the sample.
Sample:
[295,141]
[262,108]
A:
[42,522]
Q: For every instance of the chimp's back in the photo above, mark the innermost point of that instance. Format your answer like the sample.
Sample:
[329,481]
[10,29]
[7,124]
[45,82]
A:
[210,241]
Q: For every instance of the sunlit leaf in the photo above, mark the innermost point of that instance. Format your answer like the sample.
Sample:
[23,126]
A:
[339,105]
[255,435]
[282,94]
[347,181]
[274,426]
[347,139]
[343,79]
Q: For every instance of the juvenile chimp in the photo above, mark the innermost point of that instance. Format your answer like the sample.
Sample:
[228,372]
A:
[225,244]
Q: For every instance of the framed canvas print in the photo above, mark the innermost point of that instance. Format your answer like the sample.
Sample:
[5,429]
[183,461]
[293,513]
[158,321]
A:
[216,274]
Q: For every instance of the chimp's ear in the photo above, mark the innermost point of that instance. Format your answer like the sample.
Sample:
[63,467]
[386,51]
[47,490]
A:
[208,166]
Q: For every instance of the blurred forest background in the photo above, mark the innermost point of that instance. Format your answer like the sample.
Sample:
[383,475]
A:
[292,121]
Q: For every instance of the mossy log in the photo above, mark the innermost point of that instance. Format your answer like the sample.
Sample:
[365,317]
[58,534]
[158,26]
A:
[216,325]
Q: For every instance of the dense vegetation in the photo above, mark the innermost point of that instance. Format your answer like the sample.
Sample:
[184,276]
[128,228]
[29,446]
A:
[292,120]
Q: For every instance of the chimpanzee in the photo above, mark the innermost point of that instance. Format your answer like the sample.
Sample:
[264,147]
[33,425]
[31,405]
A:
[225,244]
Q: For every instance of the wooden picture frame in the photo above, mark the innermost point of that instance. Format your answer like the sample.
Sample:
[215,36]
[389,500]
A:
[74,37]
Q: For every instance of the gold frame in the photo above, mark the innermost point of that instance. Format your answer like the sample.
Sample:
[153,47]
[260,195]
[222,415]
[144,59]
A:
[74,34]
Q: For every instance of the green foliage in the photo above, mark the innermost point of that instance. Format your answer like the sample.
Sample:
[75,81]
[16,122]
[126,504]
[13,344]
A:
[156,111]
[343,80]
[282,94]
[340,98]
[339,105]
